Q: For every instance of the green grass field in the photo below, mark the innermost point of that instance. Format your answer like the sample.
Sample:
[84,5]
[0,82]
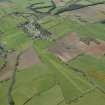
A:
[91,66]
[52,82]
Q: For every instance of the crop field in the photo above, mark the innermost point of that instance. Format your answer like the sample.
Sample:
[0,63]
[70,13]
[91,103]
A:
[70,26]
[35,35]
[12,37]
[93,67]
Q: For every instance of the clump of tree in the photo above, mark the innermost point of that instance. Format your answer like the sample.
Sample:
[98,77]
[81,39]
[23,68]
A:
[56,10]
[88,40]
[2,49]
[13,80]
[102,21]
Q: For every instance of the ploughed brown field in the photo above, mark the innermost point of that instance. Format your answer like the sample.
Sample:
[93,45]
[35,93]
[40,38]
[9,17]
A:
[96,50]
[70,47]
[27,59]
[92,13]
[59,2]
[7,4]
[6,72]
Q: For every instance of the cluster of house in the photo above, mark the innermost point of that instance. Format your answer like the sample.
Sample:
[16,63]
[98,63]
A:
[35,30]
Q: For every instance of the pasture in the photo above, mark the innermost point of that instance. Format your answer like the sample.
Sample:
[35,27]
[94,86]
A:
[41,78]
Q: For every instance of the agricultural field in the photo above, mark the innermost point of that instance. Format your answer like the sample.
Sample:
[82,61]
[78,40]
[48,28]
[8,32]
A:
[52,52]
